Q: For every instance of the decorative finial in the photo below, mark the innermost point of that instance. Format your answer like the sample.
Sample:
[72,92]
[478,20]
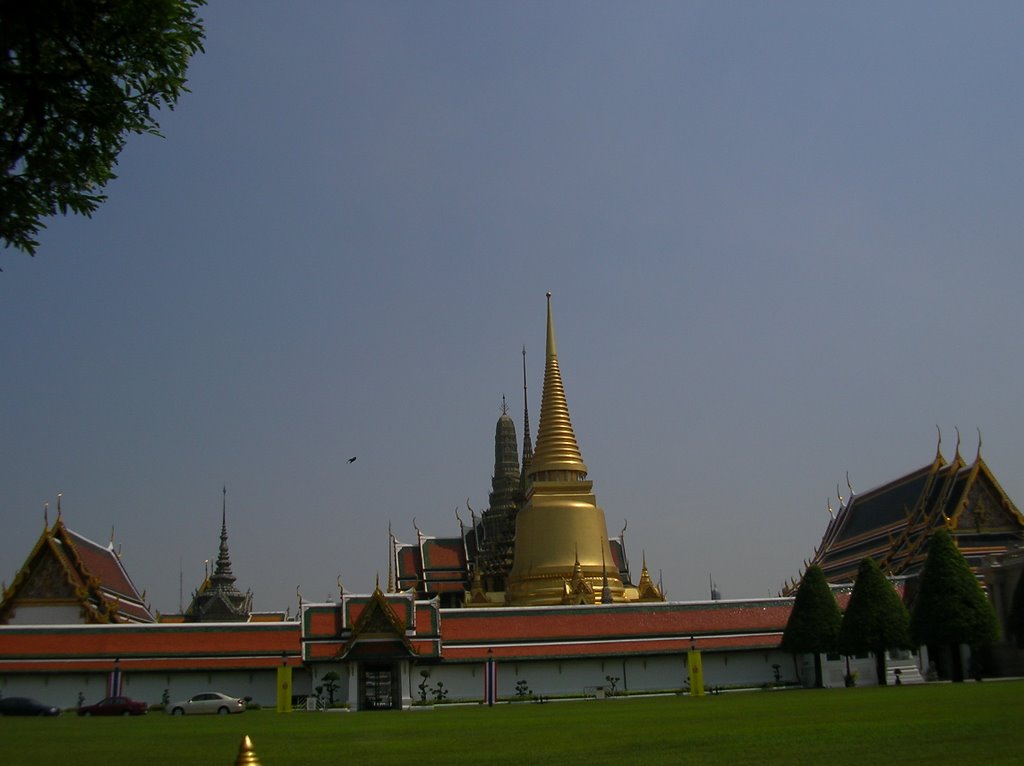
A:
[392,585]
[246,753]
[957,451]
[977,456]
[298,593]
[59,496]
[46,516]
[938,446]
[848,485]
[504,405]
[341,589]
[842,501]
[527,440]
[831,513]
[111,535]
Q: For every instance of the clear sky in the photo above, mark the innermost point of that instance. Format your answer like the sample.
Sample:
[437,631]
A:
[784,242]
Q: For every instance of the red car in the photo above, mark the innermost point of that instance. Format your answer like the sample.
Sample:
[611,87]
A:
[115,706]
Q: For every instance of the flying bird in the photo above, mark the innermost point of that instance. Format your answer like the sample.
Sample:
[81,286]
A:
[352,459]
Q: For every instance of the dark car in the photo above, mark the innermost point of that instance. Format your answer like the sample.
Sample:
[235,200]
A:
[25,706]
[115,706]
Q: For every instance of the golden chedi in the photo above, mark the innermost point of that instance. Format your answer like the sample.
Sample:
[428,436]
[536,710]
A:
[561,546]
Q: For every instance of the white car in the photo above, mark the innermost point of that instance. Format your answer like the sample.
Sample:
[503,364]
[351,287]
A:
[207,702]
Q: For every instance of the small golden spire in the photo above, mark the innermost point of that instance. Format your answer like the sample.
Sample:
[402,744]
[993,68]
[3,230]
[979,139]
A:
[59,496]
[46,516]
[246,753]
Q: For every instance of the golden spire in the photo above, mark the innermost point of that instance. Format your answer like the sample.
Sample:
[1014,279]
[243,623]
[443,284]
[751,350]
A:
[561,535]
[246,753]
[556,448]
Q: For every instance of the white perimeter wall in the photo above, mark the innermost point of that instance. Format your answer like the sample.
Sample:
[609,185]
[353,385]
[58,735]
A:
[62,689]
[462,681]
[579,677]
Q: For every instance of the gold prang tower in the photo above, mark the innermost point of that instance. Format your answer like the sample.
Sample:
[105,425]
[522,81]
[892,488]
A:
[562,554]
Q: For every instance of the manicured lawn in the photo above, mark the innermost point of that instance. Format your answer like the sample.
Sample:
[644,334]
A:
[939,723]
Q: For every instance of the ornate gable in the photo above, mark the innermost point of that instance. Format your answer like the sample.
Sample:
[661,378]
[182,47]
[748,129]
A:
[54,576]
[48,578]
[985,507]
[378,630]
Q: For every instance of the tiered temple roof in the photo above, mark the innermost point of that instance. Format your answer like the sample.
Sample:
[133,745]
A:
[68,578]
[893,523]
[218,599]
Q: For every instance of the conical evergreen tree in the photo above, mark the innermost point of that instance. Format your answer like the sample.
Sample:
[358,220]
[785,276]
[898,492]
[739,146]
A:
[951,608]
[875,619]
[813,625]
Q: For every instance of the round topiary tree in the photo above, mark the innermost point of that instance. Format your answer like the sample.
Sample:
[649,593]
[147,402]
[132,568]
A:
[813,624]
[875,619]
[951,608]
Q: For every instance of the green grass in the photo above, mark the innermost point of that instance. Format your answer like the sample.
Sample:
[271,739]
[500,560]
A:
[938,723]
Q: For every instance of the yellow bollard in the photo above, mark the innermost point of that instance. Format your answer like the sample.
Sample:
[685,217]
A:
[246,754]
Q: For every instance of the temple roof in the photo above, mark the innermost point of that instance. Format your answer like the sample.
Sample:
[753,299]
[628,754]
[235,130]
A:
[434,565]
[893,522]
[66,568]
[218,599]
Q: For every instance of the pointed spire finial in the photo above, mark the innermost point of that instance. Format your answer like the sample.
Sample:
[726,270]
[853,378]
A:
[46,516]
[246,753]
[956,455]
[977,456]
[938,446]
[222,574]
[59,496]
[392,587]
[557,454]
[527,439]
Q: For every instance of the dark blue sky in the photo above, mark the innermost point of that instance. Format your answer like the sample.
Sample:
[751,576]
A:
[784,242]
